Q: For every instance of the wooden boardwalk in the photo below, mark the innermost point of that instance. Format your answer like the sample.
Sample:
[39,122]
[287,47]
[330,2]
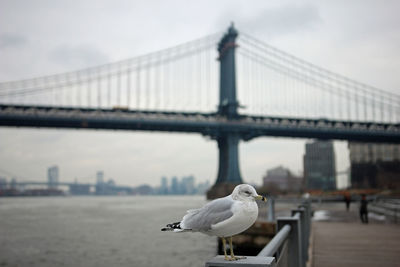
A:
[350,243]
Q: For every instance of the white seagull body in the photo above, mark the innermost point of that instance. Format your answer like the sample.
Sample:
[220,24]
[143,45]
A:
[222,217]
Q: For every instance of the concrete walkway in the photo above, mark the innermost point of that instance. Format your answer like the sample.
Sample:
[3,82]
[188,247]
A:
[344,241]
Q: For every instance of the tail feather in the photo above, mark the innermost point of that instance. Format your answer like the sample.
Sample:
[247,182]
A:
[172,227]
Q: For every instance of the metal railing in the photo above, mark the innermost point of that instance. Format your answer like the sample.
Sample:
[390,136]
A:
[289,247]
[390,208]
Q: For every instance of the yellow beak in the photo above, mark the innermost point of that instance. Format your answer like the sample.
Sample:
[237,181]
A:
[260,198]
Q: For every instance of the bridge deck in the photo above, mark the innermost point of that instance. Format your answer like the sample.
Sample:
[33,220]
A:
[209,124]
[350,243]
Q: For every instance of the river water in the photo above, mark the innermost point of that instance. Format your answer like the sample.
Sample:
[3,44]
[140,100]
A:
[99,231]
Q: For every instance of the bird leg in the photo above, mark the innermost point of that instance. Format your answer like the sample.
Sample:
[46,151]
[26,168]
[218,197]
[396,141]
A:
[233,257]
[224,248]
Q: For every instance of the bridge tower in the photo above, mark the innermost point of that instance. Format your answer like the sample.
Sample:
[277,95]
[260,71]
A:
[228,142]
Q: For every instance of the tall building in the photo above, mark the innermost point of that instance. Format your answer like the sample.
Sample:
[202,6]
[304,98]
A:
[282,179]
[52,177]
[174,190]
[372,153]
[320,166]
[374,165]
[101,185]
[187,185]
[164,186]
[99,177]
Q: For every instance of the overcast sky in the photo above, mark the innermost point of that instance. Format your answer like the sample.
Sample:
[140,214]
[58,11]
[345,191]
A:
[359,39]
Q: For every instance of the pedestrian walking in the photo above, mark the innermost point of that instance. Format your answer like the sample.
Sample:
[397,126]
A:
[364,209]
[347,200]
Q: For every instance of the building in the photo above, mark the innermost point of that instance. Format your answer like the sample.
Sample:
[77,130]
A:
[101,186]
[174,190]
[319,166]
[187,186]
[372,153]
[281,179]
[164,186]
[184,186]
[374,165]
[52,177]
[99,177]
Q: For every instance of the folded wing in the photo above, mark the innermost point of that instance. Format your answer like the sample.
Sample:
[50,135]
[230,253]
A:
[212,213]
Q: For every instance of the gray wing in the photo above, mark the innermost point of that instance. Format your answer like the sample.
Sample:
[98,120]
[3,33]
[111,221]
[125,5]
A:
[214,212]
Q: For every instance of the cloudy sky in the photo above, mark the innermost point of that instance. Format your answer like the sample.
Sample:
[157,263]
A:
[359,39]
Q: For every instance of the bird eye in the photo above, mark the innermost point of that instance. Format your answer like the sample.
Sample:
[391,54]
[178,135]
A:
[247,192]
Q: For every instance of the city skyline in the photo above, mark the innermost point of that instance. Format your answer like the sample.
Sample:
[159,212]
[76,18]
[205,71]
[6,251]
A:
[185,185]
[52,178]
[362,45]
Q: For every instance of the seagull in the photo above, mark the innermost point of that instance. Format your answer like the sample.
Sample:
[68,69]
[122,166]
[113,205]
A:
[222,217]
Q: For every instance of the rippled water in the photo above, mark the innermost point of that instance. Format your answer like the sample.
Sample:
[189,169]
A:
[99,231]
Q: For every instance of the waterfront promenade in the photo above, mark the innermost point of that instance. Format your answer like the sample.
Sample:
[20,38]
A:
[340,239]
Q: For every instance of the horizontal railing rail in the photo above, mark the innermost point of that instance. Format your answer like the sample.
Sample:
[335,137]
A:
[272,247]
[390,208]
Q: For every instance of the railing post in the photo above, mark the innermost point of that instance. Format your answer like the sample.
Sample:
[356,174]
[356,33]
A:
[308,214]
[294,240]
[302,233]
[271,209]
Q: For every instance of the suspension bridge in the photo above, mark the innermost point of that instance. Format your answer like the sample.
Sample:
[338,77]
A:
[242,90]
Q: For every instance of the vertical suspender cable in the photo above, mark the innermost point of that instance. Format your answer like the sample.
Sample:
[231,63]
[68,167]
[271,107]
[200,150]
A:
[348,104]
[364,96]
[109,86]
[176,87]
[251,87]
[305,96]
[382,108]
[208,78]
[69,90]
[98,88]
[356,104]
[24,96]
[392,109]
[57,82]
[156,86]
[89,88]
[119,85]
[166,82]
[79,88]
[331,97]
[198,83]
[147,86]
[138,86]
[373,105]
[339,100]
[128,87]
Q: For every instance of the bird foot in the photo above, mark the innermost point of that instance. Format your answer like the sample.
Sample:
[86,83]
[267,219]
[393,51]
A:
[234,258]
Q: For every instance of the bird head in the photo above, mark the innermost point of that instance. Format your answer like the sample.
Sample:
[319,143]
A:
[246,192]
